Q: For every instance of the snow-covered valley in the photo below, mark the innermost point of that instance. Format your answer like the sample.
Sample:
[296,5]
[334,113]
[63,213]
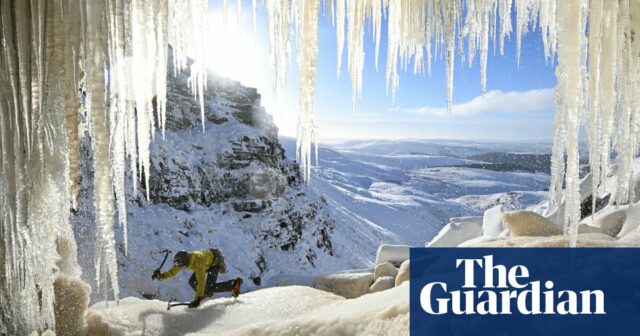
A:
[409,189]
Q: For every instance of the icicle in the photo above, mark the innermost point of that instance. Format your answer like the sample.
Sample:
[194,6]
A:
[505,18]
[340,14]
[608,71]
[307,59]
[225,13]
[279,43]
[355,46]
[449,16]
[594,126]
[522,22]
[72,101]
[254,15]
[105,237]
[571,44]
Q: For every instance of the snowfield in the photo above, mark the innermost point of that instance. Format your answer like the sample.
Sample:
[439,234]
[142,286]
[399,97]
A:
[405,191]
[292,310]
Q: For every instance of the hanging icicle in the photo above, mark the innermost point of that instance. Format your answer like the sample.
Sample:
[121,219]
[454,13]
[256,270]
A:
[307,14]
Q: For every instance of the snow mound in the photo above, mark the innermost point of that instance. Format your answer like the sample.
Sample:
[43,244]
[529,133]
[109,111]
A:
[382,283]
[456,233]
[392,253]
[385,269]
[403,273]
[528,223]
[584,240]
[632,221]
[587,229]
[492,224]
[293,310]
[70,306]
[611,223]
[349,284]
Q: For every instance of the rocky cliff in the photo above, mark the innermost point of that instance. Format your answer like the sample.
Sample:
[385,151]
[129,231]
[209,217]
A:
[229,187]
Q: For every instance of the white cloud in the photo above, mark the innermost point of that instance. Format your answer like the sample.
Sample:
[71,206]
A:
[538,100]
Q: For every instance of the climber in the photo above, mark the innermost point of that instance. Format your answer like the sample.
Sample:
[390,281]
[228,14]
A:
[205,264]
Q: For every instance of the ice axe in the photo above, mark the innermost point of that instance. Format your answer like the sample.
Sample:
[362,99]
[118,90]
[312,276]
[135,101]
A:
[166,255]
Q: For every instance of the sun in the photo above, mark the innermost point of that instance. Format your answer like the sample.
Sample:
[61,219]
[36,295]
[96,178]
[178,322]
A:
[233,52]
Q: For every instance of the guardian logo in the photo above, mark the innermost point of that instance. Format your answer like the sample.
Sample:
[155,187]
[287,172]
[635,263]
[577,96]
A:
[524,291]
[503,288]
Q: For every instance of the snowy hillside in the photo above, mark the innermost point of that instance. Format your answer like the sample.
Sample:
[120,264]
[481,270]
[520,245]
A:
[410,189]
[229,187]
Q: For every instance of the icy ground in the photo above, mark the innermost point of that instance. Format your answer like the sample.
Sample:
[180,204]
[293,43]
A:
[409,189]
[292,310]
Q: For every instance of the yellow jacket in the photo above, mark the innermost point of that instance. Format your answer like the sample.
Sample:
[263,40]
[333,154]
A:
[199,263]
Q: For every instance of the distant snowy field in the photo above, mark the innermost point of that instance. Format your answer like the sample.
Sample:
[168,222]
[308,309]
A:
[407,190]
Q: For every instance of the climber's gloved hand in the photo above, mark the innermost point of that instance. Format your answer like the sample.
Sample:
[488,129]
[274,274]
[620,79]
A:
[195,303]
[156,275]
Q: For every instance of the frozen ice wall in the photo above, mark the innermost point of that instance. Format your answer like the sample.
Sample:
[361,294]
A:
[60,60]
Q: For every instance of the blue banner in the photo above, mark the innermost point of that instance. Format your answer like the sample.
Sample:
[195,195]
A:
[525,291]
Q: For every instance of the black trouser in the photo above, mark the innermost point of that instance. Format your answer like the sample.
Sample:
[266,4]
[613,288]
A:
[211,285]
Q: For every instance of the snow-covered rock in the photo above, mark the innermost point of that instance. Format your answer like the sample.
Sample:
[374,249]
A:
[348,285]
[529,223]
[611,222]
[492,224]
[394,254]
[584,240]
[455,233]
[70,305]
[382,283]
[586,229]
[403,273]
[632,222]
[385,269]
[556,215]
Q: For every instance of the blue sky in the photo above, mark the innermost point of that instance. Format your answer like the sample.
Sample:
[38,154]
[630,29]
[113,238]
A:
[518,106]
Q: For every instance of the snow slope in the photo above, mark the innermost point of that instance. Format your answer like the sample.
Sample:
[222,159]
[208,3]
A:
[293,310]
[409,189]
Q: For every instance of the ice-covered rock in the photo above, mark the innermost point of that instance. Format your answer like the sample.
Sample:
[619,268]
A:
[492,224]
[631,222]
[586,229]
[455,233]
[394,254]
[348,285]
[403,273]
[556,215]
[529,223]
[611,222]
[385,269]
[382,283]
[70,305]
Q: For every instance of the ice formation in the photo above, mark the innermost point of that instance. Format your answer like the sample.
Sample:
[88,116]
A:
[62,59]
[107,61]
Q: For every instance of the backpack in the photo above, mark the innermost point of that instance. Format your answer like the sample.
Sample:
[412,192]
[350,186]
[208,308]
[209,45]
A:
[217,255]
